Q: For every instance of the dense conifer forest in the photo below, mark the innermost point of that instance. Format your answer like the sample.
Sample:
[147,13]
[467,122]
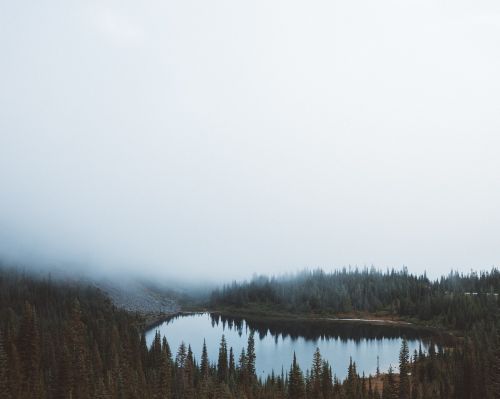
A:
[60,340]
[455,301]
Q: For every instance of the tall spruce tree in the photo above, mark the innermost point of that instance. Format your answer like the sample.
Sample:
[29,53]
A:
[29,352]
[232,364]
[250,355]
[404,369]
[15,373]
[222,364]
[296,386]
[326,380]
[316,375]
[242,369]
[181,357]
[79,352]
[494,369]
[165,380]
[390,389]
[204,365]
[352,383]
[4,372]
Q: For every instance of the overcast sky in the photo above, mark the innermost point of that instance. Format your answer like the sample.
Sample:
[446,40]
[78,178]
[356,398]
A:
[223,138]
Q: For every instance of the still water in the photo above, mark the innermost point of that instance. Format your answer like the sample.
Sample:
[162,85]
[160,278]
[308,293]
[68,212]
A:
[276,341]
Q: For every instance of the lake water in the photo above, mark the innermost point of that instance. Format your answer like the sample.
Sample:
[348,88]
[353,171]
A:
[275,342]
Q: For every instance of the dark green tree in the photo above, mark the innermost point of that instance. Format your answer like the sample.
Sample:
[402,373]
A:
[326,380]
[494,369]
[30,352]
[296,386]
[232,364]
[390,389]
[222,364]
[4,372]
[165,382]
[404,370]
[250,355]
[204,366]
[316,375]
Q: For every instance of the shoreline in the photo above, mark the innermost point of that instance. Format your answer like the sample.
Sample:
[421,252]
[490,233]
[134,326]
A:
[357,319]
[301,317]
[452,337]
[153,320]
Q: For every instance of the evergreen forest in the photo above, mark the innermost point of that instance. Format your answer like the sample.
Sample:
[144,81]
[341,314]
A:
[66,340]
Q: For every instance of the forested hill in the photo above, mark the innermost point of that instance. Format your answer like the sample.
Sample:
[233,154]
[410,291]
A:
[457,300]
[60,340]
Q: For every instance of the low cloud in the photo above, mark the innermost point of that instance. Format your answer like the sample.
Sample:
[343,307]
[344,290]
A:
[242,137]
[118,28]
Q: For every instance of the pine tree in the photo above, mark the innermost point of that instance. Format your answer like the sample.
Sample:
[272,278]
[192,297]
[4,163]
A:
[296,388]
[29,352]
[494,369]
[155,353]
[204,366]
[404,369]
[308,383]
[165,380]
[165,349]
[4,373]
[326,380]
[76,332]
[242,369]
[390,390]
[222,392]
[15,374]
[363,385]
[316,374]
[181,357]
[351,381]
[189,372]
[222,366]
[180,362]
[144,350]
[250,357]
[232,365]
[65,375]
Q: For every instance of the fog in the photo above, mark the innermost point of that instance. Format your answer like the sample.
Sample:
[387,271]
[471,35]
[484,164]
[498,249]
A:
[217,139]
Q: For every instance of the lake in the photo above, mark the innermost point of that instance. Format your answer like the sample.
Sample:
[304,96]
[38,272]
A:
[276,341]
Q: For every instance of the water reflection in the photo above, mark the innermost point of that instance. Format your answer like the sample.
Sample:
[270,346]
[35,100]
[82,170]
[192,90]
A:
[313,330]
[276,340]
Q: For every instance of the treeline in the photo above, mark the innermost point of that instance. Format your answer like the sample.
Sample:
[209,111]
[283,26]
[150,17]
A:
[457,300]
[64,341]
[459,373]
[314,330]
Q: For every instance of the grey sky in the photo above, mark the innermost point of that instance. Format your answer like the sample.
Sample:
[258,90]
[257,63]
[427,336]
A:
[226,137]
